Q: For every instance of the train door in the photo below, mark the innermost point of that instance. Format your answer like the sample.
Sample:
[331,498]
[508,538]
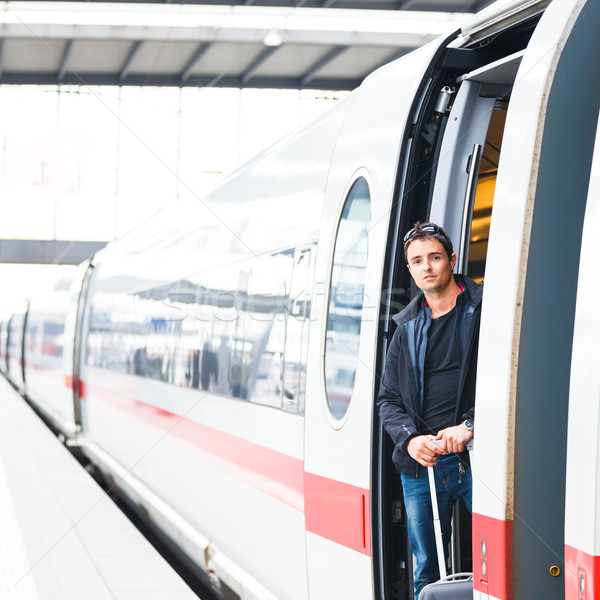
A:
[78,329]
[340,378]
[452,183]
[15,363]
[528,309]
[582,506]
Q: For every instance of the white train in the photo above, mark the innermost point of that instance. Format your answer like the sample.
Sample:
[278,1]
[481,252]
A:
[220,364]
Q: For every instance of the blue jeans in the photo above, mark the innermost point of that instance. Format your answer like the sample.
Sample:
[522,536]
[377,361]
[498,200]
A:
[452,483]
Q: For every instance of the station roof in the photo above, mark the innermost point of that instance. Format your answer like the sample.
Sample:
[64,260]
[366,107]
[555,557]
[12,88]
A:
[225,44]
[294,44]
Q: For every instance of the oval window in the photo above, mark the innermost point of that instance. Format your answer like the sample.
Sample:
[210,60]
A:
[346,294]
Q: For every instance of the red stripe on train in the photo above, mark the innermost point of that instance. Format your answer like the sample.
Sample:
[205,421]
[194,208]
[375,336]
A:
[582,574]
[338,511]
[272,472]
[493,556]
[334,510]
[70,383]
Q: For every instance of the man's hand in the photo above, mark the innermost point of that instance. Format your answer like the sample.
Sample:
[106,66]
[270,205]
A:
[423,451]
[454,438]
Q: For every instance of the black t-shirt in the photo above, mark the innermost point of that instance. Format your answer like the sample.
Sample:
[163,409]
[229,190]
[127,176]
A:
[442,370]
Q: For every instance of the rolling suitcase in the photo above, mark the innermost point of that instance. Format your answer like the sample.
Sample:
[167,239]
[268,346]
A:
[453,587]
[458,586]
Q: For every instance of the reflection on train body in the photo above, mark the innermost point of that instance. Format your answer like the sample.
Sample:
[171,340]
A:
[235,330]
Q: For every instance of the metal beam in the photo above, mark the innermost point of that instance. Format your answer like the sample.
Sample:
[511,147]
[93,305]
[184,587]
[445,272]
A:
[161,80]
[129,25]
[129,60]
[405,4]
[316,67]
[64,60]
[47,252]
[214,81]
[200,51]
[255,64]
[437,5]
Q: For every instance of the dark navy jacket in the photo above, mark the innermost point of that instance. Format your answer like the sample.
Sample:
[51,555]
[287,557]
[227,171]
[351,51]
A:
[400,397]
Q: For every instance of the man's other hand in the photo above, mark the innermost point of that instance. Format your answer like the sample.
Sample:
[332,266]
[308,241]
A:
[423,451]
[454,439]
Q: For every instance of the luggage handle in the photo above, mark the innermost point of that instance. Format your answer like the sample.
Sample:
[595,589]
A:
[458,576]
[437,527]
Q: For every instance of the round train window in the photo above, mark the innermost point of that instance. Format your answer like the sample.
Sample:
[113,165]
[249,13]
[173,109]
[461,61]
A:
[346,294]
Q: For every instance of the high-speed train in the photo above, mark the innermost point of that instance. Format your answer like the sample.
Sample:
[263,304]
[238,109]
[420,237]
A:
[220,363]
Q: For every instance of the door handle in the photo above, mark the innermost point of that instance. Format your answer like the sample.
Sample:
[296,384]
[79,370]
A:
[473,168]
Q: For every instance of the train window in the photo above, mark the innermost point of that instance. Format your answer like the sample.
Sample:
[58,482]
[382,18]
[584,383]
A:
[217,339]
[223,330]
[258,336]
[296,332]
[346,298]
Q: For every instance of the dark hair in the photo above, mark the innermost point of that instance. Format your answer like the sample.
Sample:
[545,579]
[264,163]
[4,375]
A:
[428,231]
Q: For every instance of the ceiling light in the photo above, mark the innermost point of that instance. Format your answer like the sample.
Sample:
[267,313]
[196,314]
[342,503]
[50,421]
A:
[273,38]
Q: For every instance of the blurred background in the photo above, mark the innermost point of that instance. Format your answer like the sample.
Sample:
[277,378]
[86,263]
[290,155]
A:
[111,111]
[85,164]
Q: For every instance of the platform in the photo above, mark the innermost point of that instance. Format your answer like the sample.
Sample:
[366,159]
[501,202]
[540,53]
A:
[61,537]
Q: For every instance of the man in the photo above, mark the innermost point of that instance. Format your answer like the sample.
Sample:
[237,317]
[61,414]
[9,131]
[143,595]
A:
[428,391]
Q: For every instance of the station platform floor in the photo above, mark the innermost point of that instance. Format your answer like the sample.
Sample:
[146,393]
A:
[61,537]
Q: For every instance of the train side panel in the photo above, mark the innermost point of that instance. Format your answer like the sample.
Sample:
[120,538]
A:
[193,376]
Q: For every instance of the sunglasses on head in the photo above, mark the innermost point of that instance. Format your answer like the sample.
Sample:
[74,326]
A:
[422,229]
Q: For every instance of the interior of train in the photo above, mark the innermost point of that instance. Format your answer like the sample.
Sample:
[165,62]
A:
[430,192]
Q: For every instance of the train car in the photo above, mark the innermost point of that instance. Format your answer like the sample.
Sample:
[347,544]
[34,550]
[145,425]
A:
[228,353]
[49,351]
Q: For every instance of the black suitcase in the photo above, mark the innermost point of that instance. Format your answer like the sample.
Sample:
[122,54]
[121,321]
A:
[458,586]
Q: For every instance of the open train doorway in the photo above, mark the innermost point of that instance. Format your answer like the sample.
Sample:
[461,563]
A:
[451,181]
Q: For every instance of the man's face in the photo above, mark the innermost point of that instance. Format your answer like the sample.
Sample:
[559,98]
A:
[429,265]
